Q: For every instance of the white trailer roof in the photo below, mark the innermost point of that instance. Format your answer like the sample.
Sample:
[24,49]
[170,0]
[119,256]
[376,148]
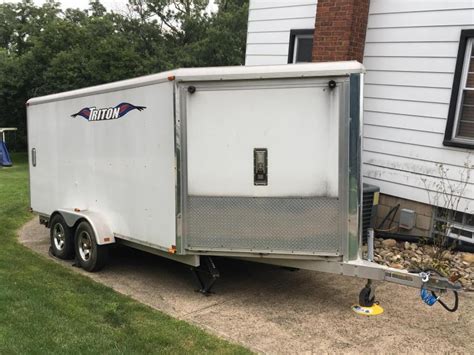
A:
[216,73]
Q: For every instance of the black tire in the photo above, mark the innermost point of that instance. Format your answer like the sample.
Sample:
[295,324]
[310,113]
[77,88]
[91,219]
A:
[89,255]
[61,238]
[364,298]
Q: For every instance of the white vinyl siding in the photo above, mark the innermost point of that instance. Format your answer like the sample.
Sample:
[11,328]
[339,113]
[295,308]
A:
[269,26]
[410,56]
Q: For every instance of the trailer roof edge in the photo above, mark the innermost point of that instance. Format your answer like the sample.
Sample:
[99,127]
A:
[213,74]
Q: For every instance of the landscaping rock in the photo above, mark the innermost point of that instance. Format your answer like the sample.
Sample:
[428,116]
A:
[447,255]
[397,266]
[468,258]
[406,255]
[388,243]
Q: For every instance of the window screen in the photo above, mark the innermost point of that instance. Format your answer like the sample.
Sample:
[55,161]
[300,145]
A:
[466,109]
[460,125]
[301,46]
[304,49]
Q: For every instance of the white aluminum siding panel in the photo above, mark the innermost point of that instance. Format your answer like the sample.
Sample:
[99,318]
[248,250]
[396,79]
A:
[281,25]
[416,179]
[417,151]
[416,108]
[270,4]
[280,13]
[410,56]
[269,26]
[253,60]
[400,6]
[268,37]
[422,18]
[418,123]
[268,49]
[427,49]
[410,64]
[435,95]
[410,79]
[407,35]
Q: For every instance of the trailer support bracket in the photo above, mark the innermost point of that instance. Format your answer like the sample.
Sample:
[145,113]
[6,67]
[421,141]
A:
[206,275]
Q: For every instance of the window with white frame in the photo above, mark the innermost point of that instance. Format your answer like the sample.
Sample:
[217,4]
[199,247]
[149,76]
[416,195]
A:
[460,125]
[453,224]
[301,46]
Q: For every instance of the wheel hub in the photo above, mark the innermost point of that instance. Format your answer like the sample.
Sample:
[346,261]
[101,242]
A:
[85,245]
[59,237]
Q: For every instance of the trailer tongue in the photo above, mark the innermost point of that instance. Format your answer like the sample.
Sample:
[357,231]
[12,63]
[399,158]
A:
[261,163]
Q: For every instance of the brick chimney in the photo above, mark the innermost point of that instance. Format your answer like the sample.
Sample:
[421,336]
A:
[340,29]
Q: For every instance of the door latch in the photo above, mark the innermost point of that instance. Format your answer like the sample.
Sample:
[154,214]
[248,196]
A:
[260,166]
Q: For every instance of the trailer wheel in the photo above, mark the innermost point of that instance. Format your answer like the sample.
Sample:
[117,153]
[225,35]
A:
[90,256]
[62,238]
[366,297]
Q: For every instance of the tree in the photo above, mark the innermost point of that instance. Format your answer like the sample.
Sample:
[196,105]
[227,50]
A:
[45,50]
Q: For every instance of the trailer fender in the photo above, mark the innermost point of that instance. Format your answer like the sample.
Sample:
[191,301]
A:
[102,230]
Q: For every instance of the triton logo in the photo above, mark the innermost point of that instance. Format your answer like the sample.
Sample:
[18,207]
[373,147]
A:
[109,113]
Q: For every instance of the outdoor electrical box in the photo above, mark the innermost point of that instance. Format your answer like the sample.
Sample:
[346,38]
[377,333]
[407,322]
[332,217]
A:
[407,219]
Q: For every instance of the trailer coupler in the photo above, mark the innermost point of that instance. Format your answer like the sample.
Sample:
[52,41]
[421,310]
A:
[429,296]
[431,283]
[206,275]
[433,286]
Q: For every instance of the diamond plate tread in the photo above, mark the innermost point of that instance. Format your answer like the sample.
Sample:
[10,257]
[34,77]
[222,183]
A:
[308,225]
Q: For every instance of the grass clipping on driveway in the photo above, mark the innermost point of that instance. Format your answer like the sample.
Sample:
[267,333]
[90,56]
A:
[45,308]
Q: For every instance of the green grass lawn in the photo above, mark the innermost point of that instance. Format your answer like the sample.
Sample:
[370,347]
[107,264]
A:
[45,308]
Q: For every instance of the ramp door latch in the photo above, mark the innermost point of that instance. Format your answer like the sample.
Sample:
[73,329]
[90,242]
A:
[33,156]
[260,166]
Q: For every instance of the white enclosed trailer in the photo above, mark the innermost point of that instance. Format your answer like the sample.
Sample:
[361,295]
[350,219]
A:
[261,163]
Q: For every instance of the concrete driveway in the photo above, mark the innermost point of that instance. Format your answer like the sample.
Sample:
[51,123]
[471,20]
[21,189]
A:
[273,310]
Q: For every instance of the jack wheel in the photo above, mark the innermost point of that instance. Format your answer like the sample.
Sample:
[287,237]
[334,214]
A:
[365,299]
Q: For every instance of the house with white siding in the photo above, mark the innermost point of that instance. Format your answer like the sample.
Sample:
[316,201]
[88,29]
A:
[418,96]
